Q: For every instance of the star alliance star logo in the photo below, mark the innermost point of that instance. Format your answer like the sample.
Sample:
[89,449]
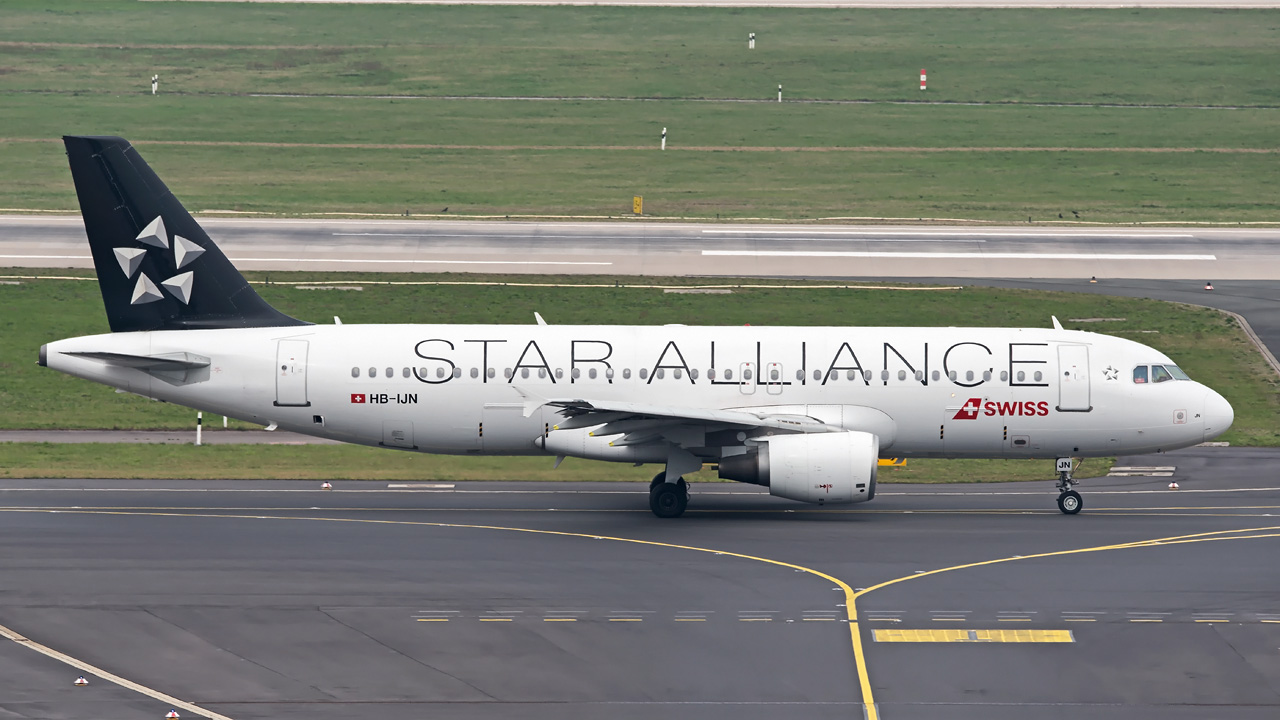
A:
[1111,373]
[184,252]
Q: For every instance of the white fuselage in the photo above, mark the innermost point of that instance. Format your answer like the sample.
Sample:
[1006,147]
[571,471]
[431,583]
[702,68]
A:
[463,389]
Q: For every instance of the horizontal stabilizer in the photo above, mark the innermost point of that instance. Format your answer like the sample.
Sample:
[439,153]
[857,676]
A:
[167,361]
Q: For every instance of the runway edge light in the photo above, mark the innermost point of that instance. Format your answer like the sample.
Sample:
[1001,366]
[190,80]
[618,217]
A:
[1174,485]
[172,714]
[326,485]
[80,681]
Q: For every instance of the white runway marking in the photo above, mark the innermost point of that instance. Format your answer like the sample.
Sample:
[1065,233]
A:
[949,233]
[954,255]
[94,670]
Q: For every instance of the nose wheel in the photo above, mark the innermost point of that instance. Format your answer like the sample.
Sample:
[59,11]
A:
[1069,501]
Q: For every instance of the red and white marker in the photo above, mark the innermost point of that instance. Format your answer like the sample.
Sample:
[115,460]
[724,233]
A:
[1173,485]
[1208,286]
[922,78]
[80,681]
[326,486]
[172,714]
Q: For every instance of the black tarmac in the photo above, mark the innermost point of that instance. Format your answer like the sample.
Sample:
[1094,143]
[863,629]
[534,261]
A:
[521,600]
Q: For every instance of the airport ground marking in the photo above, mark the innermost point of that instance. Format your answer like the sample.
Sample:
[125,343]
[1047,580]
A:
[935,635]
[174,702]
[870,711]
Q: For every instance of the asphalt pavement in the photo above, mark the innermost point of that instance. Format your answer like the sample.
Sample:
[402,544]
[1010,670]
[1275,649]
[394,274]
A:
[520,600]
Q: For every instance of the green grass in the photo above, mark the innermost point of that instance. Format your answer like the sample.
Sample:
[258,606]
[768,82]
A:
[1209,345]
[349,462]
[86,64]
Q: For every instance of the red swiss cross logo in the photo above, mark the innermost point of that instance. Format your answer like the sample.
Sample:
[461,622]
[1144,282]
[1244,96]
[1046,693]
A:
[357,398]
[969,411]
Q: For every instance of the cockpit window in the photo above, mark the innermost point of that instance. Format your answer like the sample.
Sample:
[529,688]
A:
[1159,374]
[1177,372]
[1140,374]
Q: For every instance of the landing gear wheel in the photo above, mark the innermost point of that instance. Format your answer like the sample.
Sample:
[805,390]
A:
[669,500]
[657,480]
[1070,502]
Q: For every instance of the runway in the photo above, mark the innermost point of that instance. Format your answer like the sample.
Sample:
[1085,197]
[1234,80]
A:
[517,600]
[625,247]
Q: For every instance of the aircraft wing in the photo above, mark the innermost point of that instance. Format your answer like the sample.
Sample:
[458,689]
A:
[627,417]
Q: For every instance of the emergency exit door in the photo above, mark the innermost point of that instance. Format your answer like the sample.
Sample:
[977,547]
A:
[291,373]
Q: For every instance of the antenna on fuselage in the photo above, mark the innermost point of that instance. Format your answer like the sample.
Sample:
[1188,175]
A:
[1056,325]
[538,317]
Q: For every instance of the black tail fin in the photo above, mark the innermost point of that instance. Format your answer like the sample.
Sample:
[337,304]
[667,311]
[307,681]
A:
[157,268]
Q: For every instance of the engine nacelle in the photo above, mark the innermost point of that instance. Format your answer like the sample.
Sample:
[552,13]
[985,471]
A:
[838,467]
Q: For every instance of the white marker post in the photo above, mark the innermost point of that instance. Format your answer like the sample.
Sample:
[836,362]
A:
[155,84]
[199,426]
[751,41]
[664,138]
[922,78]
[224,422]
[779,92]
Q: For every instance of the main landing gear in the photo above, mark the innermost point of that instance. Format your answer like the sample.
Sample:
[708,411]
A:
[668,499]
[1069,501]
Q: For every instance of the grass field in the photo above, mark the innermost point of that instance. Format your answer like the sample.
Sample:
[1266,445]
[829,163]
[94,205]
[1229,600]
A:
[609,79]
[1206,343]
[349,462]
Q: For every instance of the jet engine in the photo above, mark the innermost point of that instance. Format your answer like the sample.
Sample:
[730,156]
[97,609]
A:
[837,467]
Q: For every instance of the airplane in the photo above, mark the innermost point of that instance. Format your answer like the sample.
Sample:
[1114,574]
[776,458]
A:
[804,411]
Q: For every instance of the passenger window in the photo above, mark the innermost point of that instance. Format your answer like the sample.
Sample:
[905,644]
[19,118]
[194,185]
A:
[542,373]
[506,373]
[577,373]
[662,373]
[391,372]
[728,374]
[491,373]
[422,372]
[711,374]
[800,375]
[1159,374]
[405,373]
[849,374]
[524,373]
[919,376]
[373,372]
[693,373]
[817,374]
[1140,374]
[884,375]
[439,372]
[1021,376]
[1004,375]
[986,375]
[833,376]
[591,373]
[952,376]
[1038,376]
[936,375]
[773,375]
[457,372]
[677,373]
[559,373]
[626,373]
[475,373]
[746,374]
[968,376]
[609,373]
[355,372]
[644,373]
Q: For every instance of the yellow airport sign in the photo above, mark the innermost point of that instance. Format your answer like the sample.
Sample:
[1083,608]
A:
[637,205]
[893,462]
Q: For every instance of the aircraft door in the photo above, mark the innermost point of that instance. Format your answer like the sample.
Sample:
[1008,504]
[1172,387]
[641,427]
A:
[1073,378]
[291,373]
[397,434]
[773,379]
[747,378]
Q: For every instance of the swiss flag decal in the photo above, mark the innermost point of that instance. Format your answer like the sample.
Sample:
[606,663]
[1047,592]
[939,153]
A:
[357,398]
[970,410]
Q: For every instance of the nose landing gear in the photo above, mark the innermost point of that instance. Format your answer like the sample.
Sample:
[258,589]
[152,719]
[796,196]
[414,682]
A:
[1069,501]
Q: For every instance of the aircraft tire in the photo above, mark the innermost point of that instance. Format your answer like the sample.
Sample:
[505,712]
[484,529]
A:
[1070,502]
[669,500]
[657,480]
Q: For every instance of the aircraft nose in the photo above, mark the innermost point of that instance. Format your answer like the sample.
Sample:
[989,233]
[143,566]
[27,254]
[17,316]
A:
[1218,415]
